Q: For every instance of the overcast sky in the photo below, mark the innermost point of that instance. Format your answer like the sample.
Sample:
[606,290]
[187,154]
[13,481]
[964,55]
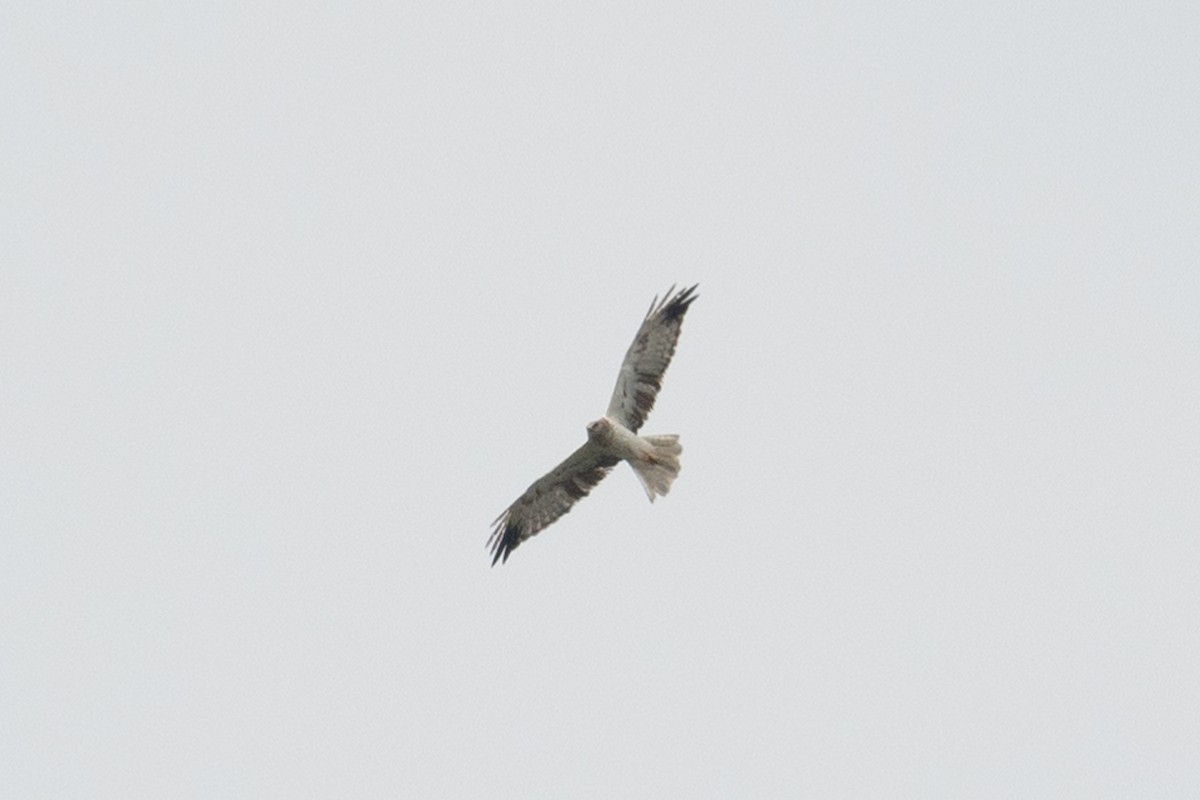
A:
[294,300]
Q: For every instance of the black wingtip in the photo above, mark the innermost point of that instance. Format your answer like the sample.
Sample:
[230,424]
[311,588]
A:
[673,304]
[504,541]
[677,305]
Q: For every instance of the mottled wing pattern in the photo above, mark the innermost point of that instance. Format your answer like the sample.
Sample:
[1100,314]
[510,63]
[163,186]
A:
[548,498]
[647,359]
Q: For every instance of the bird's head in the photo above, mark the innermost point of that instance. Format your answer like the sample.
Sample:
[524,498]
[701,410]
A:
[599,429]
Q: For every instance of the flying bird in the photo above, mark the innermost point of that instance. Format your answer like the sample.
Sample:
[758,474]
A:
[612,438]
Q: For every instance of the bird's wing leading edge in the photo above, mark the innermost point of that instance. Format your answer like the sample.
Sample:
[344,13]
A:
[548,498]
[648,357]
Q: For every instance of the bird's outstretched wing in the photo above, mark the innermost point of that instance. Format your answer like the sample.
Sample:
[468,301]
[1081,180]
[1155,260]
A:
[647,359]
[548,498]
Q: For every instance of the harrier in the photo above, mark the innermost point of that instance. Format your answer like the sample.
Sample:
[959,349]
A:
[612,438]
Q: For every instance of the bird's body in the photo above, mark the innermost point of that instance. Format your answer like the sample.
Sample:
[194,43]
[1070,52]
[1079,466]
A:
[612,438]
[655,459]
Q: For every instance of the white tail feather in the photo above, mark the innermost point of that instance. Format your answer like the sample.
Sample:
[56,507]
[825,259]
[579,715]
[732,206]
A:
[659,466]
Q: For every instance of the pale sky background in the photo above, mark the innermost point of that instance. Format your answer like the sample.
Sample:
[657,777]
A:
[296,299]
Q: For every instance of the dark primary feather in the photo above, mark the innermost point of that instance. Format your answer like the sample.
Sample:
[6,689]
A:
[548,498]
[647,359]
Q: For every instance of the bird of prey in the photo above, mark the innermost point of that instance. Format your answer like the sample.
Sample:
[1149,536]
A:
[612,438]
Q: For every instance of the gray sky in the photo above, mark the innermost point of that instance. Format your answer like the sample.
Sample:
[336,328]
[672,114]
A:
[293,303]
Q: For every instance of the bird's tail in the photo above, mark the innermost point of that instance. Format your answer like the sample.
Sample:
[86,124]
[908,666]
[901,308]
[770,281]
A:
[658,466]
